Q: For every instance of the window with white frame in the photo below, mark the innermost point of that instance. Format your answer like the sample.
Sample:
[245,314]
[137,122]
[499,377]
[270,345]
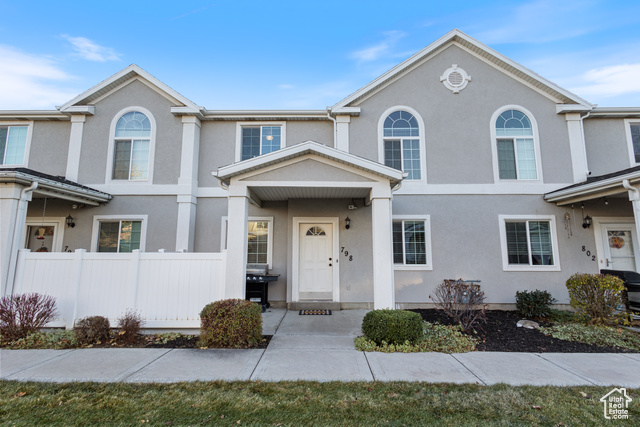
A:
[259,140]
[411,242]
[132,143]
[529,243]
[401,139]
[119,236]
[516,146]
[259,239]
[13,145]
[634,134]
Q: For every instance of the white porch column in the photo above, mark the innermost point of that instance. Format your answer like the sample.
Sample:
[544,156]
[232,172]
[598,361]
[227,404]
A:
[75,147]
[577,147]
[383,280]
[237,242]
[13,211]
[188,182]
[634,197]
[342,132]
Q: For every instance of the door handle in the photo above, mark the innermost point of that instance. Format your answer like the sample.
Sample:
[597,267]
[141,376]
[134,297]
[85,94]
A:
[607,261]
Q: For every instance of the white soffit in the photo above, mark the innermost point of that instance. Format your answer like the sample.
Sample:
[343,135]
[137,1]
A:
[482,50]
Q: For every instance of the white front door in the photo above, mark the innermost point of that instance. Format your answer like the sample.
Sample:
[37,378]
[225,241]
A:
[315,281]
[620,246]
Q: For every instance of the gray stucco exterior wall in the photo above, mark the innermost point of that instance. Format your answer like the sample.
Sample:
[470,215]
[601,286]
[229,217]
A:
[49,147]
[95,142]
[458,126]
[606,145]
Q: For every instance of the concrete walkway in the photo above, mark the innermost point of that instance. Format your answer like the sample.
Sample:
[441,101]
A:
[318,348]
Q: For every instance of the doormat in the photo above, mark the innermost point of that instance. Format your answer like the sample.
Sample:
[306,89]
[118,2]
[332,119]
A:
[315,312]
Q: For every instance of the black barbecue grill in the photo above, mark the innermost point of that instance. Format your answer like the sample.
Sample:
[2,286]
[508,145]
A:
[258,279]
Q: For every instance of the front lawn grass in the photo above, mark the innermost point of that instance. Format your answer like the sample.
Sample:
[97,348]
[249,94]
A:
[300,403]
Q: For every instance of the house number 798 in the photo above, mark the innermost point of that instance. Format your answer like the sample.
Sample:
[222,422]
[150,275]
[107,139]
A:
[346,253]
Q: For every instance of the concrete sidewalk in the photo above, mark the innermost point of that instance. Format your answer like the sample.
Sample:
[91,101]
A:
[318,348]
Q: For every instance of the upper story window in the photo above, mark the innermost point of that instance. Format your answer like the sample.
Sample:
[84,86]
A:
[13,145]
[132,143]
[516,146]
[256,139]
[633,134]
[402,143]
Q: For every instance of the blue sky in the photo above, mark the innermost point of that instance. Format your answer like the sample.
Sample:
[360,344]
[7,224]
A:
[301,54]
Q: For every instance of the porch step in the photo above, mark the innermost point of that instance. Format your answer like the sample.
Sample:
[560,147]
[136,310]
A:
[314,305]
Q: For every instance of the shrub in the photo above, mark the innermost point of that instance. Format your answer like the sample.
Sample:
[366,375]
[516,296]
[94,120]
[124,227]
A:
[24,314]
[392,326]
[534,304]
[462,301]
[91,330]
[56,340]
[604,336]
[596,296]
[231,323]
[129,324]
[440,338]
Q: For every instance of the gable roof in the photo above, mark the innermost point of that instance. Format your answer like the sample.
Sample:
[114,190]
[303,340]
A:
[225,173]
[459,38]
[80,102]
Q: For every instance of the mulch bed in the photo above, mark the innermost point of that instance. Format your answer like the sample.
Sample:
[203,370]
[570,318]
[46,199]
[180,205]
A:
[500,333]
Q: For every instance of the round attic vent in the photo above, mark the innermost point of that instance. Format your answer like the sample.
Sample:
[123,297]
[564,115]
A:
[455,79]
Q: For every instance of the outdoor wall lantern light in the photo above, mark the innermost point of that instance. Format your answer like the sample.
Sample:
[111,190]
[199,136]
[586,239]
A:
[70,222]
[586,222]
[347,223]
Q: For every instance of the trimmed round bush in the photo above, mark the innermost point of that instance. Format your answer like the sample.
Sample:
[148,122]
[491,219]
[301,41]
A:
[534,304]
[90,330]
[231,323]
[392,326]
[596,296]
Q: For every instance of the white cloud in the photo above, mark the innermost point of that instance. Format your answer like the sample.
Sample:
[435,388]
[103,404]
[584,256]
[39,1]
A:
[382,49]
[286,86]
[609,81]
[87,49]
[30,81]
[540,21]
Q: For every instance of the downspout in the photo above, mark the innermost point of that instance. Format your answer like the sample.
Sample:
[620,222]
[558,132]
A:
[22,203]
[584,141]
[335,128]
[636,193]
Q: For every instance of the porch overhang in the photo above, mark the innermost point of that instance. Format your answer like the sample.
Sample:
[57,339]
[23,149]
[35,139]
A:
[615,184]
[54,186]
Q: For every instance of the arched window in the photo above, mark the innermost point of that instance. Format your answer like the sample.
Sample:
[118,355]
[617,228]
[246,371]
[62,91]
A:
[132,145]
[401,140]
[515,146]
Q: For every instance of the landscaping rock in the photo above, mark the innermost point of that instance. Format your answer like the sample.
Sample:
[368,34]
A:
[529,324]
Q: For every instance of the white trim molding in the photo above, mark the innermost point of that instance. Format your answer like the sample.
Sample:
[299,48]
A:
[503,219]
[27,146]
[240,125]
[494,145]
[269,219]
[295,255]
[421,138]
[58,223]
[427,244]
[111,148]
[627,132]
[98,218]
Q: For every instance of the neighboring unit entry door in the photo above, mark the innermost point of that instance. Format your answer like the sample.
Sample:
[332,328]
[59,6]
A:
[620,246]
[316,261]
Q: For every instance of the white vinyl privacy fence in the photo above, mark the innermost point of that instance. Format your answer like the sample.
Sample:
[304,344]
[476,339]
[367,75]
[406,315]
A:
[167,289]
